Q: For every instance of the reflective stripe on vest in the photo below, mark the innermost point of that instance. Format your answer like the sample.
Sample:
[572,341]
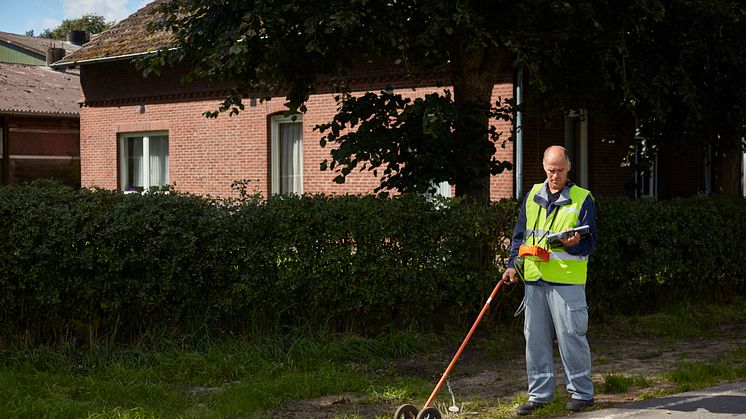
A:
[562,267]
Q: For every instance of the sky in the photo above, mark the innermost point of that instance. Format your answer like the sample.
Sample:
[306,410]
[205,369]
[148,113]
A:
[19,16]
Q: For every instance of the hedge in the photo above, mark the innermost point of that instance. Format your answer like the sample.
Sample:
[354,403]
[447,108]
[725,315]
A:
[103,263]
[653,254]
[97,263]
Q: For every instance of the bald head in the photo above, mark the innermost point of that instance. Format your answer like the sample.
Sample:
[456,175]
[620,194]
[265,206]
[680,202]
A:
[556,165]
[556,151]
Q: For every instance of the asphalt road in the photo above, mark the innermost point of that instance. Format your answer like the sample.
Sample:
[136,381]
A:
[727,400]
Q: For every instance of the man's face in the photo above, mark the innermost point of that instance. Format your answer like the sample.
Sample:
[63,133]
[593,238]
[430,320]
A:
[556,168]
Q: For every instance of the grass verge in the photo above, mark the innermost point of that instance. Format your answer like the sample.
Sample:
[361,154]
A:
[253,378]
[219,379]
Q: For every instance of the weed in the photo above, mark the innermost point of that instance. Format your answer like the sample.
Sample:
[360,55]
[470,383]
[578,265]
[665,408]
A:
[615,384]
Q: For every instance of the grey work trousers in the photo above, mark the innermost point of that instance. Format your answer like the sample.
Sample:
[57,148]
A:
[557,311]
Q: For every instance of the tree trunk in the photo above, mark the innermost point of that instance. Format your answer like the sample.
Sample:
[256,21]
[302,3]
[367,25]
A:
[473,80]
[726,161]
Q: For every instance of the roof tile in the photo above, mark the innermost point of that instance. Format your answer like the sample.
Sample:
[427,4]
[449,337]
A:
[35,43]
[129,36]
[33,89]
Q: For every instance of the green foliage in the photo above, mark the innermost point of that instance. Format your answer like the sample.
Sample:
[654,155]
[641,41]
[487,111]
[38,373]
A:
[674,69]
[89,23]
[414,144]
[694,375]
[679,319]
[231,377]
[616,384]
[294,49]
[655,254]
[104,266]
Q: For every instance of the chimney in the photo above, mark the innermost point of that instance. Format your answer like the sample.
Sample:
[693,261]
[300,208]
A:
[76,37]
[54,54]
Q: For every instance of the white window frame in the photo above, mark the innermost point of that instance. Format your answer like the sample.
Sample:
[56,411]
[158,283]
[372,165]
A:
[146,158]
[581,162]
[276,121]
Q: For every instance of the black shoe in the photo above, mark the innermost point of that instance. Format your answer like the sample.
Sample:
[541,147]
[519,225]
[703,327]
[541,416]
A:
[577,405]
[528,408]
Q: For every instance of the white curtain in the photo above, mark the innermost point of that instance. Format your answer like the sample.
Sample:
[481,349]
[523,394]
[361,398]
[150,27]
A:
[158,160]
[444,189]
[290,157]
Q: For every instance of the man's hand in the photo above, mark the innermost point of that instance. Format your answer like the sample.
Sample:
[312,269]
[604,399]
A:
[572,240]
[509,276]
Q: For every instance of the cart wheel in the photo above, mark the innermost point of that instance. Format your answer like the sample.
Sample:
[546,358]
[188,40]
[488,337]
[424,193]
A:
[406,411]
[429,413]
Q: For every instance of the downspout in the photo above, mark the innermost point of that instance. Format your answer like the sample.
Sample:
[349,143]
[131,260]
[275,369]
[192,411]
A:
[5,169]
[518,145]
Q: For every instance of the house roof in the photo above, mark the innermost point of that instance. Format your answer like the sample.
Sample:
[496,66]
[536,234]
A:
[36,44]
[127,38]
[38,90]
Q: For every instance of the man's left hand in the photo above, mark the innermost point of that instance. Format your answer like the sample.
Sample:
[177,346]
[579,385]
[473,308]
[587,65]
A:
[572,240]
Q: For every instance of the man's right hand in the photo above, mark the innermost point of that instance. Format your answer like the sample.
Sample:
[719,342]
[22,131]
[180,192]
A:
[509,276]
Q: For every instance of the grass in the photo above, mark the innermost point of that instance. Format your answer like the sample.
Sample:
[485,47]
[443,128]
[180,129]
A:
[682,321]
[251,378]
[695,375]
[617,383]
[216,380]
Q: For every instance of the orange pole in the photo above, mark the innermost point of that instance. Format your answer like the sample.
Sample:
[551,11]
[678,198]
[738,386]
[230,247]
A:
[463,345]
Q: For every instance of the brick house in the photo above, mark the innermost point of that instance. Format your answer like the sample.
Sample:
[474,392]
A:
[140,132]
[39,124]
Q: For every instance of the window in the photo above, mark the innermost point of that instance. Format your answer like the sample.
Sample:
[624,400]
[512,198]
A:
[441,189]
[444,189]
[576,144]
[287,155]
[646,171]
[705,170]
[143,163]
[743,167]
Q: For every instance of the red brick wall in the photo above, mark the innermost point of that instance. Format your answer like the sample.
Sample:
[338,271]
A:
[207,155]
[680,168]
[538,134]
[607,146]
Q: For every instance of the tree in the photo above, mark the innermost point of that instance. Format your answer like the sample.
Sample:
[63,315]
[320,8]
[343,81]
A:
[676,66]
[284,47]
[653,59]
[89,23]
[694,91]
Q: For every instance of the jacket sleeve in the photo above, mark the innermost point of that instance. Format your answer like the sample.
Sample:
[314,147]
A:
[587,217]
[519,233]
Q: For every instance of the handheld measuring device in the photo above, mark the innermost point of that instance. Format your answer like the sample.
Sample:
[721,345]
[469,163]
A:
[555,238]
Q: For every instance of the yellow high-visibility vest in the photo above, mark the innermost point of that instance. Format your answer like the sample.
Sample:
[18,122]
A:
[562,267]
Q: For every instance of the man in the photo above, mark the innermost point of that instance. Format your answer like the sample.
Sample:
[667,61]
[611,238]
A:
[555,304]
